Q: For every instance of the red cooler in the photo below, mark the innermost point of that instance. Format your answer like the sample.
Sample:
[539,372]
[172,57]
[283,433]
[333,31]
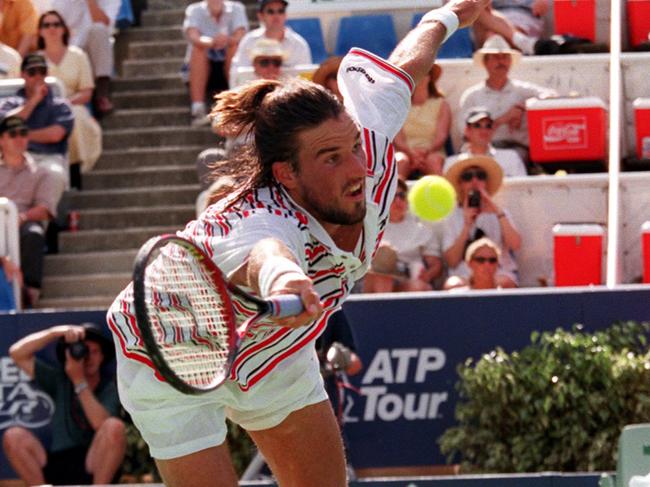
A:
[638,21]
[567,129]
[645,244]
[578,254]
[576,18]
[642,127]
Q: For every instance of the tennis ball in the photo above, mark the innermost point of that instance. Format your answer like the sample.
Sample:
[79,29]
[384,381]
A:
[432,198]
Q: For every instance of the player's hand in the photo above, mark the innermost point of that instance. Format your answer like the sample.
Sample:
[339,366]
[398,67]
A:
[301,285]
[467,10]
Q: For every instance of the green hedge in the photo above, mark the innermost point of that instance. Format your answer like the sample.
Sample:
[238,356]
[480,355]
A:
[559,404]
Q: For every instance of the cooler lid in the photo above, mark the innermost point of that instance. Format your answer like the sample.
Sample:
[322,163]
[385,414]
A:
[641,103]
[555,103]
[582,229]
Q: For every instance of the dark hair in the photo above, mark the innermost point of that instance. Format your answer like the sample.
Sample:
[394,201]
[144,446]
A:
[66,31]
[274,113]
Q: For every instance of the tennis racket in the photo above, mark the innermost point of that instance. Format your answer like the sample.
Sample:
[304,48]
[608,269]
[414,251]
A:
[185,314]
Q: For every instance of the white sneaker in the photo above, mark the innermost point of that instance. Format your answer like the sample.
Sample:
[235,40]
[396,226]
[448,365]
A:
[200,117]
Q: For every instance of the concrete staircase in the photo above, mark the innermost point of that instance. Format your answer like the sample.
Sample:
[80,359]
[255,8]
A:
[145,182]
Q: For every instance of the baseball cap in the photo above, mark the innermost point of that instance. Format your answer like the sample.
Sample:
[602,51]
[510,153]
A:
[33,60]
[262,3]
[9,122]
[476,114]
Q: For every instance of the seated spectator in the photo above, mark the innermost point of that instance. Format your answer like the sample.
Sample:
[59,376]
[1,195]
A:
[9,62]
[50,119]
[71,66]
[479,129]
[213,29]
[503,97]
[272,15]
[482,259]
[18,25]
[408,258]
[476,179]
[88,439]
[326,74]
[421,142]
[36,193]
[267,57]
[91,25]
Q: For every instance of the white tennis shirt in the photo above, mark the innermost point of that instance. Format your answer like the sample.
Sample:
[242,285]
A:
[378,96]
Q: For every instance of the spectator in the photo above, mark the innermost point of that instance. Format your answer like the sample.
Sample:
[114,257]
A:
[272,15]
[482,259]
[326,73]
[503,97]
[18,20]
[476,179]
[479,129]
[9,62]
[49,118]
[88,440]
[408,258]
[213,29]
[267,57]
[71,66]
[421,142]
[91,24]
[36,194]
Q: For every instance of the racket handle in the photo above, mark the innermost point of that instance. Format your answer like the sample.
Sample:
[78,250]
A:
[285,305]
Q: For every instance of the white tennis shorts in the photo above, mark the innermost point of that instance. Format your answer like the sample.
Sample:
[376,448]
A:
[175,424]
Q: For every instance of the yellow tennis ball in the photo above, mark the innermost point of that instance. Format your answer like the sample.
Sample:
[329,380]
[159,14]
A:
[432,198]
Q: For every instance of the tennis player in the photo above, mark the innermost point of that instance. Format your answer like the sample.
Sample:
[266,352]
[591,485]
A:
[305,216]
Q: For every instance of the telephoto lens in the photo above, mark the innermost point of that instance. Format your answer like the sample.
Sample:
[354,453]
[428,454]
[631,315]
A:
[78,350]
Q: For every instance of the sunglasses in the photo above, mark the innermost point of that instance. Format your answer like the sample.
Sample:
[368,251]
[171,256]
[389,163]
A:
[467,176]
[36,71]
[479,125]
[47,25]
[13,133]
[272,11]
[266,62]
[483,260]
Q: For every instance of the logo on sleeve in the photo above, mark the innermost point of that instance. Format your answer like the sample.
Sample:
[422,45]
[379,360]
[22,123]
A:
[362,71]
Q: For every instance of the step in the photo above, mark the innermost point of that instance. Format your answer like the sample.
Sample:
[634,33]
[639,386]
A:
[137,216]
[158,137]
[151,67]
[157,49]
[149,156]
[151,99]
[124,198]
[70,303]
[157,33]
[146,117]
[142,177]
[100,284]
[89,262]
[150,83]
[100,240]
[166,17]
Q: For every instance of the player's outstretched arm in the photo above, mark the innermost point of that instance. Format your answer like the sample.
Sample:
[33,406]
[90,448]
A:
[416,53]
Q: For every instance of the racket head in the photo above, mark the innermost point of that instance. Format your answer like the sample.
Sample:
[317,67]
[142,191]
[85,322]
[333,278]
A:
[184,313]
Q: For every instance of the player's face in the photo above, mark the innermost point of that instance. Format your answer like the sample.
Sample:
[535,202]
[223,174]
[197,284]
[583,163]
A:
[332,170]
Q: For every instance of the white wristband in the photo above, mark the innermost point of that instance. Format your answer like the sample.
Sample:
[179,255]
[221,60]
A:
[273,268]
[446,17]
[79,388]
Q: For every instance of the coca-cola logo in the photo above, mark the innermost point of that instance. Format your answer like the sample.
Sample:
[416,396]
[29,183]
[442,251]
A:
[565,133]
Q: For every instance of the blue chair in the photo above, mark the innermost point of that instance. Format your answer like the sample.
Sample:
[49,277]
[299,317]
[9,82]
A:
[459,45]
[375,33]
[311,30]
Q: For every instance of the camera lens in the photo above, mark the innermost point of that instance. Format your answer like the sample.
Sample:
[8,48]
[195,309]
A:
[78,350]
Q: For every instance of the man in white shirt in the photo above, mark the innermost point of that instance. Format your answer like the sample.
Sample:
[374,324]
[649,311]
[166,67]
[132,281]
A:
[272,15]
[91,24]
[503,97]
[479,129]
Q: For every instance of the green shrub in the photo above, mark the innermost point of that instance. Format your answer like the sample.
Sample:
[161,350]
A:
[559,404]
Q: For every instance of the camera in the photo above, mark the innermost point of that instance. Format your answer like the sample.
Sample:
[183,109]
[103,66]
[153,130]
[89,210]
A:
[78,350]
[474,199]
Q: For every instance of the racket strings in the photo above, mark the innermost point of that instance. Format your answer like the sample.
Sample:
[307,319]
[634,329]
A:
[188,316]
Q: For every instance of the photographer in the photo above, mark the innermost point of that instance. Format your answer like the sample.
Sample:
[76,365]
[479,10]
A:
[88,440]
[476,179]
